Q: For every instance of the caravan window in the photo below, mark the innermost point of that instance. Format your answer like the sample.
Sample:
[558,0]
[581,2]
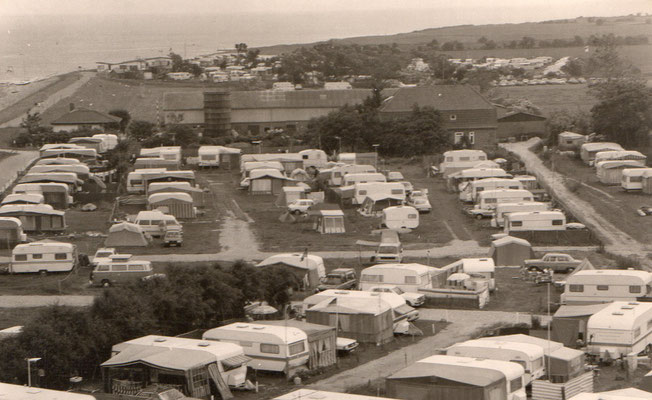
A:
[136,267]
[411,280]
[490,200]
[372,278]
[296,348]
[576,288]
[412,216]
[634,289]
[269,348]
[636,179]
[119,268]
[20,257]
[603,287]
[199,377]
[637,332]
[103,268]
[557,222]
[37,256]
[207,157]
[517,223]
[135,182]
[60,256]
[143,222]
[465,158]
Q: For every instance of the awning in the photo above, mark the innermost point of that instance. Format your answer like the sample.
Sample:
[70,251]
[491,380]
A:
[235,361]
[403,309]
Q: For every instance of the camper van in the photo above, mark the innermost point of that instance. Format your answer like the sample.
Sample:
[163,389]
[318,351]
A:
[529,356]
[457,160]
[362,190]
[498,220]
[120,269]
[390,249]
[353,179]
[408,277]
[400,217]
[337,173]
[632,178]
[534,221]
[487,201]
[479,269]
[606,285]
[43,257]
[155,222]
[619,329]
[471,189]
[272,348]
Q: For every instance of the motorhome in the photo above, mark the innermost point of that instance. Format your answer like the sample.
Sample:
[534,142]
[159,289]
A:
[452,377]
[350,180]
[89,143]
[534,221]
[337,173]
[155,222]
[120,269]
[472,189]
[458,180]
[619,329]
[529,356]
[362,190]
[619,155]
[400,217]
[43,257]
[479,269]
[498,220]
[632,178]
[172,153]
[272,348]
[589,150]
[606,285]
[408,277]
[389,249]
[457,160]
[230,358]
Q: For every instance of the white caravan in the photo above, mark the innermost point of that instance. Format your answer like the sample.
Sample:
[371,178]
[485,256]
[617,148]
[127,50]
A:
[482,269]
[456,160]
[400,217]
[535,221]
[619,329]
[632,178]
[488,200]
[457,181]
[338,172]
[408,277]
[498,219]
[313,158]
[350,180]
[135,179]
[155,222]
[362,190]
[170,153]
[60,160]
[606,285]
[529,356]
[471,190]
[272,348]
[21,392]
[43,257]
[619,155]
[209,156]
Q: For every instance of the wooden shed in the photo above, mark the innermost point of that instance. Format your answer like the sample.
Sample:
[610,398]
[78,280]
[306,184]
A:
[178,204]
[36,217]
[322,341]
[510,251]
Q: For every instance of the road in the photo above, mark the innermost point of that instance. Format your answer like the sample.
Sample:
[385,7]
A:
[616,241]
[12,165]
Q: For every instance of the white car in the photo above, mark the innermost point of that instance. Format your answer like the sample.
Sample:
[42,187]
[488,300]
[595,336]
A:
[411,298]
[102,255]
[422,204]
[300,206]
[395,176]
[346,345]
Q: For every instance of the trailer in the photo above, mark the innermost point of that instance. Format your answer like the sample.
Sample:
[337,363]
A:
[535,221]
[456,181]
[619,329]
[606,285]
[362,190]
[632,178]
[350,180]
[21,392]
[498,219]
[400,217]
[589,150]
[408,277]
[471,190]
[487,201]
[458,160]
[43,257]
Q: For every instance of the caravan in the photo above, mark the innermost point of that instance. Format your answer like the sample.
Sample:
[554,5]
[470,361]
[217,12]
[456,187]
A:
[170,153]
[400,217]
[498,220]
[482,269]
[632,178]
[487,201]
[620,155]
[313,158]
[472,189]
[353,179]
[457,160]
[619,329]
[606,285]
[135,181]
[407,277]
[272,348]
[534,221]
[362,190]
[337,173]
[589,150]
[457,181]
[43,257]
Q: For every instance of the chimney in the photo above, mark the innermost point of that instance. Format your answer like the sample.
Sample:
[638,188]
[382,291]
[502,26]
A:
[71,106]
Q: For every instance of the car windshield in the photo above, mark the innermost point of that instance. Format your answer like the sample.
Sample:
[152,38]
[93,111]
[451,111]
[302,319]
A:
[332,280]
[387,250]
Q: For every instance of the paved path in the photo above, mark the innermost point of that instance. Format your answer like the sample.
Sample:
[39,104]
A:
[44,301]
[615,240]
[464,325]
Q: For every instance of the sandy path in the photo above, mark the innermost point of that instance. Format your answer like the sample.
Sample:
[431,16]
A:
[615,240]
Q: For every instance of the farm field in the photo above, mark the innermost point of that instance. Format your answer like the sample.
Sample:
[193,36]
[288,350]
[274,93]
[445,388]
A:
[550,98]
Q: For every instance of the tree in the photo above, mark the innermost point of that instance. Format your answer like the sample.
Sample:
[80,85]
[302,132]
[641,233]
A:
[32,122]
[177,62]
[422,132]
[441,68]
[567,120]
[624,111]
[183,135]
[141,130]
[527,42]
[252,57]
[126,118]
[574,67]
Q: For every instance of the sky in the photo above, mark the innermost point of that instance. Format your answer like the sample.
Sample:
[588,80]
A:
[482,11]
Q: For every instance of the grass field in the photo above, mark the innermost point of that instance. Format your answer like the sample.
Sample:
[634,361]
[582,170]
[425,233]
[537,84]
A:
[550,98]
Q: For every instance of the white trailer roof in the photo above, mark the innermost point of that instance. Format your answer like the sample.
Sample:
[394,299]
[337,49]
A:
[620,315]
[609,276]
[392,299]
[299,260]
[221,350]
[311,394]
[246,331]
[531,350]
[20,392]
[49,246]
[416,268]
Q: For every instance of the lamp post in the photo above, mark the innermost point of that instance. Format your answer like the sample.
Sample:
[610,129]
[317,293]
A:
[339,141]
[29,370]
[375,146]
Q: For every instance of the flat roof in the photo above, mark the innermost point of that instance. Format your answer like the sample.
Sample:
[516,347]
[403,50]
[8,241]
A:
[20,392]
[413,267]
[619,315]
[281,334]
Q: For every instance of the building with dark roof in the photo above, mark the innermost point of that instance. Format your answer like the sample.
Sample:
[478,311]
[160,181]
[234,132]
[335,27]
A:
[519,125]
[465,112]
[78,118]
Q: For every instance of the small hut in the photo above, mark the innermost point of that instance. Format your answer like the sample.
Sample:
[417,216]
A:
[510,251]
[11,232]
[322,341]
[176,203]
[266,181]
[126,234]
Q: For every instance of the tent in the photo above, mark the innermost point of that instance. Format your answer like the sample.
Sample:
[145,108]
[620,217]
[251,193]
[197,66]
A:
[309,268]
[375,203]
[510,251]
[329,221]
[290,194]
[266,181]
[126,234]
[11,232]
[569,323]
[585,265]
[178,204]
[23,198]
[364,319]
[322,341]
[36,217]
[185,187]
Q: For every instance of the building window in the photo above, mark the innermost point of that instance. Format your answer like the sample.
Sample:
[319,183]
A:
[634,289]
[603,287]
[576,288]
[60,256]
[269,348]
[472,137]
[453,117]
[458,137]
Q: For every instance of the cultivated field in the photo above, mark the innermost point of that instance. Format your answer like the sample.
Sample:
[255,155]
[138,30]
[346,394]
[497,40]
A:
[550,98]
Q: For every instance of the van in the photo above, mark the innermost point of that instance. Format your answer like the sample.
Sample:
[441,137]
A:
[173,236]
[155,222]
[121,269]
[535,221]
[390,249]
[43,257]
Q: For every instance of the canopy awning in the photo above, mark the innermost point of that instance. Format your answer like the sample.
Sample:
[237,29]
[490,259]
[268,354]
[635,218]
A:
[235,361]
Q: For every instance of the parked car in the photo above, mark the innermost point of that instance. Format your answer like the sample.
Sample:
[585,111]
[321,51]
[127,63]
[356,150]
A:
[421,203]
[345,345]
[340,278]
[173,237]
[395,176]
[557,262]
[411,298]
[300,206]
[102,254]
[121,269]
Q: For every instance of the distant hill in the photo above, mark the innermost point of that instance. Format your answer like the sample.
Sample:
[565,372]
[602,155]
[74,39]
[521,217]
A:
[469,34]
